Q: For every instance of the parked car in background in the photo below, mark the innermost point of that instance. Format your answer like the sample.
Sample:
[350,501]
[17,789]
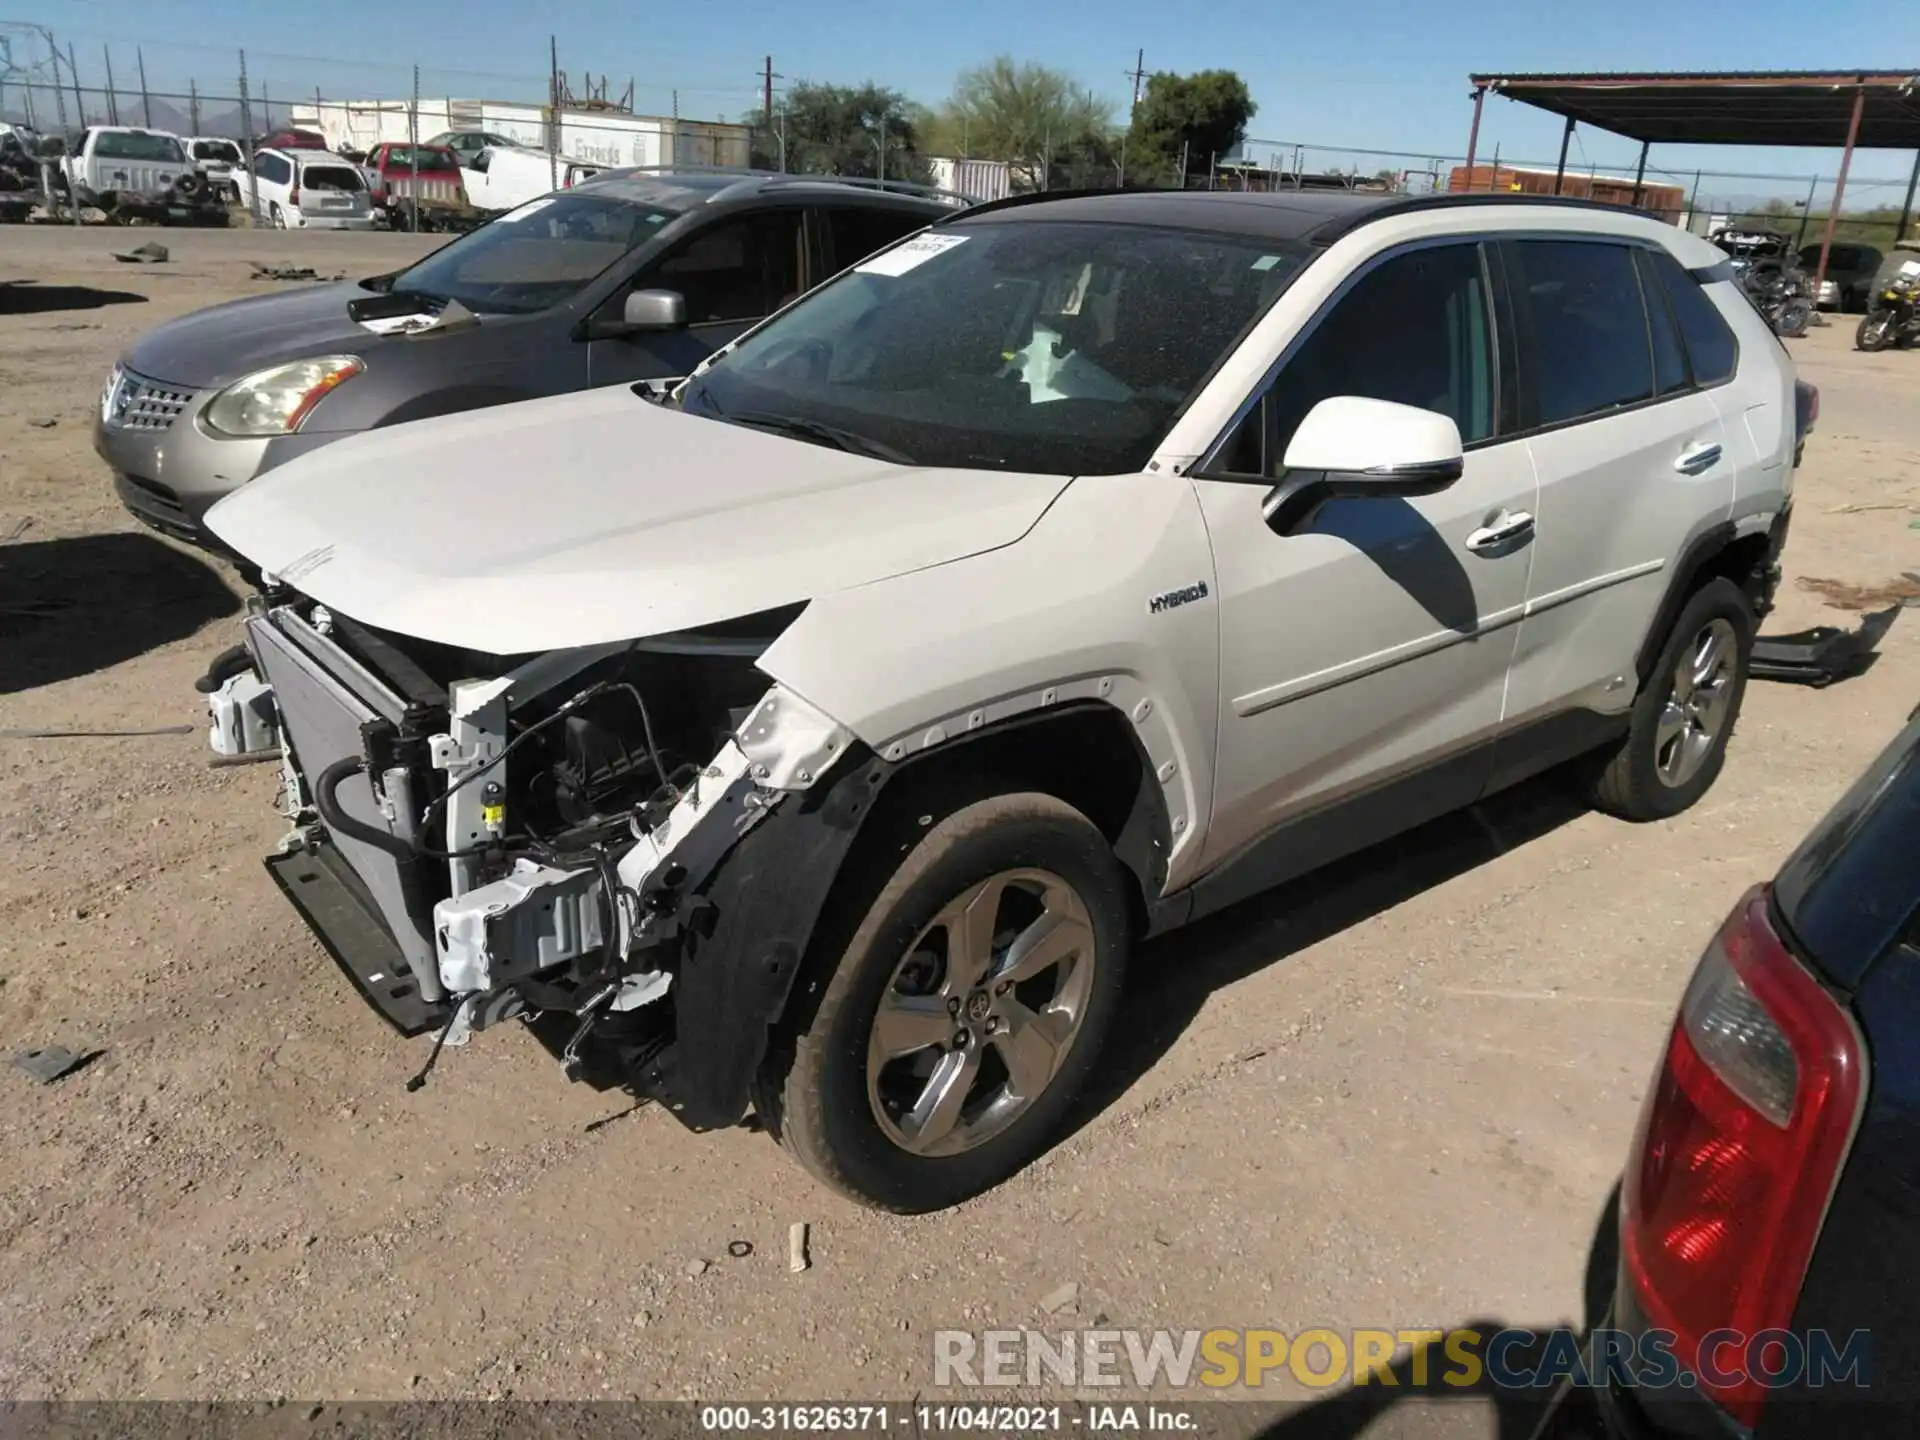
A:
[502,179]
[469,143]
[292,139]
[307,190]
[19,171]
[131,174]
[963,624]
[1851,267]
[416,185]
[1774,1181]
[616,282]
[217,159]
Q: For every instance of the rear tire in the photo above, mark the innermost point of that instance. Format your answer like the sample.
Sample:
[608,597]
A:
[1676,740]
[879,1096]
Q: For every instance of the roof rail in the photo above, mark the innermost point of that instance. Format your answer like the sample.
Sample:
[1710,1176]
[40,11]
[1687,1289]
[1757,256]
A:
[868,182]
[1034,197]
[753,181]
[1399,205]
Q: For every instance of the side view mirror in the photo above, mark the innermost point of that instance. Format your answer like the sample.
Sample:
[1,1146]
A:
[1350,447]
[654,310]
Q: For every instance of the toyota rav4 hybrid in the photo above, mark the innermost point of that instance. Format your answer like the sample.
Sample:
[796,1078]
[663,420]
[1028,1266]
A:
[824,740]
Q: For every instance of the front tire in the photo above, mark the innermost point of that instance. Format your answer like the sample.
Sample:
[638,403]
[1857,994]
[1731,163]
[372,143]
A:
[965,1014]
[1677,737]
[1874,332]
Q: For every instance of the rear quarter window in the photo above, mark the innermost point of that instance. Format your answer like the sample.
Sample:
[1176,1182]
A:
[1710,344]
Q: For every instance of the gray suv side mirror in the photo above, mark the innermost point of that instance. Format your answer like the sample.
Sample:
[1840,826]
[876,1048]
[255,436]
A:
[654,310]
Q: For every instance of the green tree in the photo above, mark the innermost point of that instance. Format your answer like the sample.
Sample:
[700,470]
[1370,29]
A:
[838,130]
[1029,115]
[1202,115]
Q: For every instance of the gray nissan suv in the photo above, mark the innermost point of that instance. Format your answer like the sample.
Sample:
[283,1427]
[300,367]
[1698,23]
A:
[632,277]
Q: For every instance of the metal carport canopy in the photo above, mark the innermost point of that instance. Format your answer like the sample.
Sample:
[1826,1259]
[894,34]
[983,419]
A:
[1821,108]
[1760,107]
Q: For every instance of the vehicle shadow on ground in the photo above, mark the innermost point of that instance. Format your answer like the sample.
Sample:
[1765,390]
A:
[1426,1398]
[26,297]
[69,607]
[1172,977]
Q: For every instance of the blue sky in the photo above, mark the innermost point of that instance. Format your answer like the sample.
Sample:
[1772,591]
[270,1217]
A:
[1379,74]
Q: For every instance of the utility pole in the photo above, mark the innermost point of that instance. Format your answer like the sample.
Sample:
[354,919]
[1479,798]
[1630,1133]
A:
[113,100]
[413,155]
[766,94]
[246,132]
[1183,164]
[1137,74]
[193,105]
[553,111]
[146,102]
[73,74]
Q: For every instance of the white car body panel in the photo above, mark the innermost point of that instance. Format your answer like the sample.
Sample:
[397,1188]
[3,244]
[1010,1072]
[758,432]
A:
[600,517]
[1066,615]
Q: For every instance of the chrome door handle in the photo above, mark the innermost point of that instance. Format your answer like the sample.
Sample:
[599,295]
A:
[1697,458]
[1501,528]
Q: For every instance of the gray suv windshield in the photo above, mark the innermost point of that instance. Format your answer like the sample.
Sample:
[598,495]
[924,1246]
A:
[1051,347]
[537,256]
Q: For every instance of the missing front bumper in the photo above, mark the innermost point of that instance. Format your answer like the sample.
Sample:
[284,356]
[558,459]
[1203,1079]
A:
[337,908]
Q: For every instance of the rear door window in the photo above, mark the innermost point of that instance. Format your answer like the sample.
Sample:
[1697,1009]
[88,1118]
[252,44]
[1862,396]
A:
[1669,349]
[1710,343]
[1583,327]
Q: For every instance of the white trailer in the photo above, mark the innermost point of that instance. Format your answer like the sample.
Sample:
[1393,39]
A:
[606,138]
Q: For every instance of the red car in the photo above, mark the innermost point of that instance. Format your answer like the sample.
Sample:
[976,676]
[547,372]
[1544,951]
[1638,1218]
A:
[429,173]
[291,139]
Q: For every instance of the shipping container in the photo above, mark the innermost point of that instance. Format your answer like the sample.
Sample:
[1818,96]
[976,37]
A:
[975,179]
[1662,201]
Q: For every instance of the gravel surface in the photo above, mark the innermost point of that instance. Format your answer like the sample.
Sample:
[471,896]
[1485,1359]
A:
[1395,1094]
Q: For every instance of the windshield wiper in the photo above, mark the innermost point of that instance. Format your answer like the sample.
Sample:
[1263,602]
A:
[801,429]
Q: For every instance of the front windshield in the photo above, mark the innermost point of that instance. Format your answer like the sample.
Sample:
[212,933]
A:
[537,256]
[1043,346]
[132,145]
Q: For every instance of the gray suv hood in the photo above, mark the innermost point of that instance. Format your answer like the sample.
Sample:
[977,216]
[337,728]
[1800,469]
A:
[217,346]
[598,517]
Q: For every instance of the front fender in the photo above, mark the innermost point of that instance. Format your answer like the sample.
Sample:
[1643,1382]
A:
[1111,597]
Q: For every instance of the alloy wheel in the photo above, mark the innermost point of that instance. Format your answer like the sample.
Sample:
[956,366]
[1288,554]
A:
[981,1012]
[1695,715]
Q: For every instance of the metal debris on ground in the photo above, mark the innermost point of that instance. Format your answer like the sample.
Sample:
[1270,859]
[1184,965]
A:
[1822,655]
[739,1249]
[797,1257]
[290,272]
[48,1063]
[46,424]
[17,529]
[1055,1301]
[147,254]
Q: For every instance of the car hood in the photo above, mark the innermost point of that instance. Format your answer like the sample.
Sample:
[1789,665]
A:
[218,345]
[592,518]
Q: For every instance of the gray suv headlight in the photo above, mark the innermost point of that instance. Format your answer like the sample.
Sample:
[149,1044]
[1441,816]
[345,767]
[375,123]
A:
[277,401]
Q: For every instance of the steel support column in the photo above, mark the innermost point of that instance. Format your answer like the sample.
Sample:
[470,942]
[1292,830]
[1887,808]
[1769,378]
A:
[1906,205]
[1839,188]
[1473,135]
[1560,170]
[1640,175]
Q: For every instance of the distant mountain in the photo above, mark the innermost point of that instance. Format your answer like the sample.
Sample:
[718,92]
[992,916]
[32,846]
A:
[170,115]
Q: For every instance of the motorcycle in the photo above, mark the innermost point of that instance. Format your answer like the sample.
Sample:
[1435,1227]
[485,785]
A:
[1893,315]
[1768,270]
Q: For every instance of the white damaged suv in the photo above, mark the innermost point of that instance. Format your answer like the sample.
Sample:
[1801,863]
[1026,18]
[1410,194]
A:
[823,740]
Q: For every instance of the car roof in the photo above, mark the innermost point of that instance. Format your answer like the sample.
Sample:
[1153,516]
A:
[686,189]
[1313,217]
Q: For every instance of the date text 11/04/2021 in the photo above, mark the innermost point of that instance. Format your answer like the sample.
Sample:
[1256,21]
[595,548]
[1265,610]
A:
[1095,1419]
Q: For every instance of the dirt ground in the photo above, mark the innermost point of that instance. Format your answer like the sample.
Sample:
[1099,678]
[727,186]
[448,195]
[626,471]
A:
[1394,1095]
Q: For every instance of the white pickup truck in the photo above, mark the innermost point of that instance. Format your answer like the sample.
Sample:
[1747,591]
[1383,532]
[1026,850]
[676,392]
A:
[504,177]
[131,173]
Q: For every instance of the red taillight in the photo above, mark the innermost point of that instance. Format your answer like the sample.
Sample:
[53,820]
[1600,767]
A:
[1740,1142]
[293,197]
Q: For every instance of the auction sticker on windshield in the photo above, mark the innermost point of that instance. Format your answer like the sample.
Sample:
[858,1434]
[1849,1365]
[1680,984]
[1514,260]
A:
[910,256]
[532,207]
